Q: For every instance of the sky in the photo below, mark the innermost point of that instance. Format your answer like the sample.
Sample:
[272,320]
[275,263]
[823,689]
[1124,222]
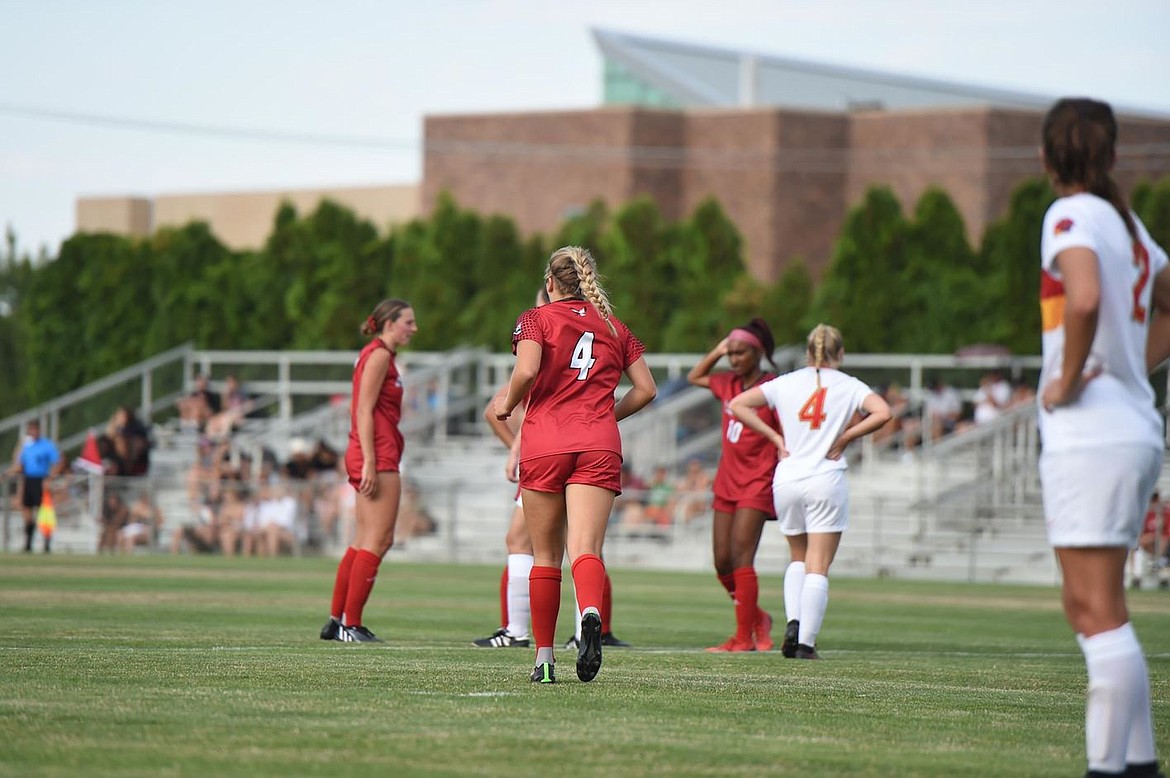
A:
[373,70]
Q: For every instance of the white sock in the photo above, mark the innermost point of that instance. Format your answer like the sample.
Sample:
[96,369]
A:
[577,614]
[814,599]
[793,584]
[519,604]
[1138,569]
[1118,724]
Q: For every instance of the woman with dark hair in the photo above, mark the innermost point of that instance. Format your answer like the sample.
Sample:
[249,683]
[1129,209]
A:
[743,481]
[1105,300]
[372,462]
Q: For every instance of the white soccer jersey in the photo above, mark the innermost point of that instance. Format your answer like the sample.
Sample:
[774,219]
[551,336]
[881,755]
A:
[1117,407]
[812,418]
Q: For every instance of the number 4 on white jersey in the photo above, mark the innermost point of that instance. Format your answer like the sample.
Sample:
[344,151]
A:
[583,356]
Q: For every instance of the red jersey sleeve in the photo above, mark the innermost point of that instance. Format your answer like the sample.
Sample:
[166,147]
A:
[634,348]
[720,385]
[527,328]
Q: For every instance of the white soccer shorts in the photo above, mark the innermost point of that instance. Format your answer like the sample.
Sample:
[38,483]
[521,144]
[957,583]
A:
[1098,496]
[818,503]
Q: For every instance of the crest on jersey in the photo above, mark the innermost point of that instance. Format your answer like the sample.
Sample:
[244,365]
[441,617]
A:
[580,312]
[1063,226]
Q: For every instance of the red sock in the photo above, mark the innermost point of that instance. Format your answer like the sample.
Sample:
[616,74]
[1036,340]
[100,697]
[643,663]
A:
[361,581]
[589,579]
[544,592]
[341,584]
[747,595]
[728,582]
[606,604]
[504,598]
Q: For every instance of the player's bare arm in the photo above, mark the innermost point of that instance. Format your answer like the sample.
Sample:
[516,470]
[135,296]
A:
[744,406]
[1158,342]
[700,374]
[877,412]
[641,394]
[523,376]
[1082,290]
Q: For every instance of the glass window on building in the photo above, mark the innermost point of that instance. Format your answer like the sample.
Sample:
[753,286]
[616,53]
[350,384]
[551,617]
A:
[624,88]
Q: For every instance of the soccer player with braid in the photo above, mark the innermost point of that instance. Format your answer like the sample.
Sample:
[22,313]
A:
[816,406]
[372,462]
[570,356]
[743,482]
[1105,319]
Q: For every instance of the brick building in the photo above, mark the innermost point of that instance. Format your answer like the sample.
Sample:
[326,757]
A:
[776,141]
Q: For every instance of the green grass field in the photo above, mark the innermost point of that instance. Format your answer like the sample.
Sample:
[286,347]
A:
[153,665]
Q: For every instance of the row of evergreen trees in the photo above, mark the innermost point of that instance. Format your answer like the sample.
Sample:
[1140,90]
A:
[897,282]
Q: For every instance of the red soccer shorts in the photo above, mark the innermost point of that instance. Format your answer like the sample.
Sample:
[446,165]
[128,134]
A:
[554,472]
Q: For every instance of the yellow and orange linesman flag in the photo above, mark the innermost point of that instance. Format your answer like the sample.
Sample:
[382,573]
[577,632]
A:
[47,515]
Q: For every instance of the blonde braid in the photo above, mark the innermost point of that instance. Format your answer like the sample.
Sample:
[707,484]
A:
[585,266]
[824,347]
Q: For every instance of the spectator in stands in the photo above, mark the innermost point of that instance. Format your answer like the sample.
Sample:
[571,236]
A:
[992,398]
[299,466]
[660,500]
[276,521]
[37,461]
[890,434]
[694,492]
[629,507]
[230,520]
[1153,546]
[142,525]
[126,445]
[212,464]
[1022,393]
[414,521]
[943,407]
[203,534]
[196,407]
[325,459]
[235,405]
[114,516]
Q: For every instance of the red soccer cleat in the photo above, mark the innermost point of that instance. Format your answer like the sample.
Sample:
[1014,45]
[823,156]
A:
[731,645]
[763,632]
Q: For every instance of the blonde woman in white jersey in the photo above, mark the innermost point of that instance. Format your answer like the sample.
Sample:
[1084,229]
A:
[1105,300]
[817,407]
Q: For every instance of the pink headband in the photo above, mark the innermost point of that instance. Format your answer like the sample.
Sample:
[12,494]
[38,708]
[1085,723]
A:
[747,336]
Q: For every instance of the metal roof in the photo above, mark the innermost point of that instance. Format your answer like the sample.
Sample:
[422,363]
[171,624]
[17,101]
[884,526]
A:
[708,76]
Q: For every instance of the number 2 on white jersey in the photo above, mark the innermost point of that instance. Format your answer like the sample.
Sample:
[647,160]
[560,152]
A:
[1141,260]
[583,356]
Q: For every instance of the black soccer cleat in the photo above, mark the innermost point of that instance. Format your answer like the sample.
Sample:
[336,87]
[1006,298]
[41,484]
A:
[613,641]
[358,634]
[791,636]
[572,643]
[589,652]
[501,639]
[331,630]
[806,652]
[543,673]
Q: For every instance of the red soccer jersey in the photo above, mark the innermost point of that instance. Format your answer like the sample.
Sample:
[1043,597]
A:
[570,407]
[387,413]
[748,459]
